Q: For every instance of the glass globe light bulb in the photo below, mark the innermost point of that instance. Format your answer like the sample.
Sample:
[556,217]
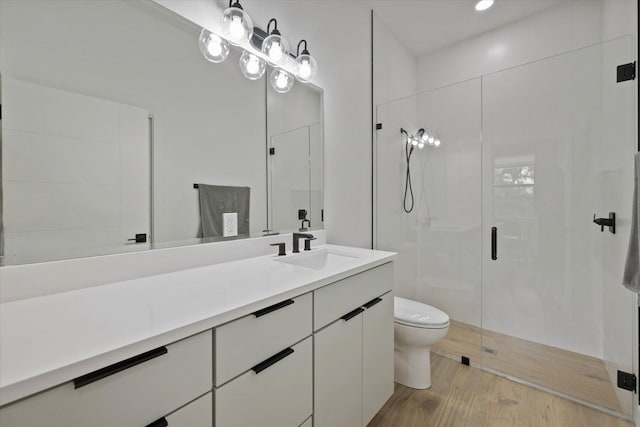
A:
[306,67]
[213,47]
[414,141]
[237,26]
[436,142]
[276,49]
[281,81]
[421,145]
[275,53]
[252,66]
[431,139]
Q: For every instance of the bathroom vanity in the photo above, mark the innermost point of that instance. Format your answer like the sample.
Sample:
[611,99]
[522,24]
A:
[305,339]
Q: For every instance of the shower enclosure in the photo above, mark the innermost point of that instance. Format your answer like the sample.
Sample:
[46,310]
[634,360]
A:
[502,235]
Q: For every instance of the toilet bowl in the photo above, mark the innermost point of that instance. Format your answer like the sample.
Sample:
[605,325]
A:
[417,327]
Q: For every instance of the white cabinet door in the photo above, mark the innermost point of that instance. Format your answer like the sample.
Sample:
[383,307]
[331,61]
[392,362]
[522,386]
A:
[338,374]
[276,394]
[377,355]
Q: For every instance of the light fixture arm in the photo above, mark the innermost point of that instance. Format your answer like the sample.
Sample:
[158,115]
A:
[236,4]
[305,51]
[275,25]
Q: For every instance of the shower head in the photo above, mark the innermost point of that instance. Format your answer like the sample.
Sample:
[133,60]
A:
[421,138]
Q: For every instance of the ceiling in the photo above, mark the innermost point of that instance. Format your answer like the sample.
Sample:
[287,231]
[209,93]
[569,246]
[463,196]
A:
[427,25]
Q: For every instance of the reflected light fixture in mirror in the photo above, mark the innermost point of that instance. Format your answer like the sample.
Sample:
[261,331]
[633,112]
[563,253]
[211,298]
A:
[281,81]
[306,65]
[252,66]
[213,47]
[274,46]
[483,5]
[237,26]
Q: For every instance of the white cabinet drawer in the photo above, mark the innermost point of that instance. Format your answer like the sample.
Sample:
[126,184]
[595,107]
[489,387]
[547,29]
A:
[195,414]
[339,298]
[278,396]
[249,340]
[135,396]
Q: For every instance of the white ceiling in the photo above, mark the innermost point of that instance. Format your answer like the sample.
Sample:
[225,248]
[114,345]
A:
[426,25]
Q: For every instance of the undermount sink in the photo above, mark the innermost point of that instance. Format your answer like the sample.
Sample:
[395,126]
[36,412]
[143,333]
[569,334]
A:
[317,259]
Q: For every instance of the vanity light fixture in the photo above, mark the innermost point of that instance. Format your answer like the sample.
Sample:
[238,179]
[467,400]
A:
[274,46]
[281,81]
[213,47]
[237,29]
[306,65]
[237,26]
[252,66]
[483,5]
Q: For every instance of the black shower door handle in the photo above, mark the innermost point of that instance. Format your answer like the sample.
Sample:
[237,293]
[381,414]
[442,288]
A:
[494,243]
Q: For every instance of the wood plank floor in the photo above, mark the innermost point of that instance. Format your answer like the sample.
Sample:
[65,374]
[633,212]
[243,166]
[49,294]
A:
[577,375]
[462,396]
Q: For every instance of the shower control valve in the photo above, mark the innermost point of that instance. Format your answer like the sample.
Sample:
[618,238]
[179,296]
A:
[606,222]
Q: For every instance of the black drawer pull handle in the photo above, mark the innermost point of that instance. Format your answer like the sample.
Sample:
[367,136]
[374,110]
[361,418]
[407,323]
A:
[494,243]
[118,367]
[162,422]
[272,360]
[372,302]
[273,307]
[352,314]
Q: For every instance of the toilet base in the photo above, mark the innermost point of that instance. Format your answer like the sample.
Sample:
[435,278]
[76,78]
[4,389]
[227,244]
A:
[413,367]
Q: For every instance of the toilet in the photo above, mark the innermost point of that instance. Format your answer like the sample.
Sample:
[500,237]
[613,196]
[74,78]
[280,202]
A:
[417,327]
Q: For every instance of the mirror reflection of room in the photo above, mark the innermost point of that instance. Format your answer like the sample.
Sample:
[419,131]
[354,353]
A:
[110,125]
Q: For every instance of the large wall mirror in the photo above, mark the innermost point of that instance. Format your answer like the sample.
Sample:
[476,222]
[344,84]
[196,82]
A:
[113,122]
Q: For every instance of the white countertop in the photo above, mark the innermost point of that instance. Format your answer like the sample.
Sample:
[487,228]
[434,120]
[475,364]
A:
[49,340]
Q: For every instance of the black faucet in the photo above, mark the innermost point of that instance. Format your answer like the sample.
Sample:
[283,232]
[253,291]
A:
[296,237]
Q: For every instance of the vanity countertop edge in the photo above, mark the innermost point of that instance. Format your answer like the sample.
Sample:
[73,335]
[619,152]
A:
[49,340]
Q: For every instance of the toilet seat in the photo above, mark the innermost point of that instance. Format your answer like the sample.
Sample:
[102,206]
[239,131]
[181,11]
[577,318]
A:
[419,315]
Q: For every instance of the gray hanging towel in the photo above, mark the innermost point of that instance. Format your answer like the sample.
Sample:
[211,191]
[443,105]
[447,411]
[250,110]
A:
[218,199]
[631,278]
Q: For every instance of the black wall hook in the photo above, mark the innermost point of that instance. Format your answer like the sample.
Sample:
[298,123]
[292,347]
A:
[606,222]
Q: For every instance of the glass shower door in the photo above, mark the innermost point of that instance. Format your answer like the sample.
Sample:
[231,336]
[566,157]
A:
[558,144]
[439,241]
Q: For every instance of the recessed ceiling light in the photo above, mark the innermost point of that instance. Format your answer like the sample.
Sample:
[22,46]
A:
[483,5]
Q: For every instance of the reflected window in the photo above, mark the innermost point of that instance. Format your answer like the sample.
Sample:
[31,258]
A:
[513,191]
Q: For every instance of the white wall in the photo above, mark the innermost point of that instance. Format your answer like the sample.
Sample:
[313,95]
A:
[571,25]
[394,77]
[138,54]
